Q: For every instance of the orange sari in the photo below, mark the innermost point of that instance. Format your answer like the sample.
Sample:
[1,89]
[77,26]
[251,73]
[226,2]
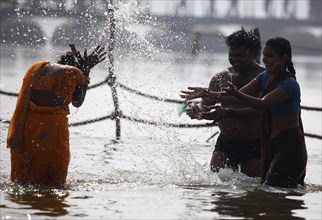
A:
[38,136]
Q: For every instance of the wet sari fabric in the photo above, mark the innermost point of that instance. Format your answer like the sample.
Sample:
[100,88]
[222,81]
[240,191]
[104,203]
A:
[38,136]
[285,156]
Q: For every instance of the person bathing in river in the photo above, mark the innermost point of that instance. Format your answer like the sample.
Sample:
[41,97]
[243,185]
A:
[282,136]
[238,144]
[38,135]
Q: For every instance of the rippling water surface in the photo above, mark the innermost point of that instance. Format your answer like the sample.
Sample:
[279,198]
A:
[154,171]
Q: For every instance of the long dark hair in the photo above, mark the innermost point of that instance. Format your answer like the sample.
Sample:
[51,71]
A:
[283,47]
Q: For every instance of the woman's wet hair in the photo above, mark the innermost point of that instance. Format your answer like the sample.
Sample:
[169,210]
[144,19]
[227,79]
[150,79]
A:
[248,39]
[282,47]
[68,59]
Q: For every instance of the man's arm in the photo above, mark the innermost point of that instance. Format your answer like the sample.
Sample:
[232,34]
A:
[216,83]
[271,99]
[80,93]
[219,113]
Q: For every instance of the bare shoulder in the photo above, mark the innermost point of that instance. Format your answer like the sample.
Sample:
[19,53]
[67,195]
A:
[220,79]
[222,75]
[39,63]
[72,68]
[65,67]
[36,65]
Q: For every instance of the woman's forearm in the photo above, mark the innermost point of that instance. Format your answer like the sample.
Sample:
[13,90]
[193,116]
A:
[80,93]
[217,97]
[251,101]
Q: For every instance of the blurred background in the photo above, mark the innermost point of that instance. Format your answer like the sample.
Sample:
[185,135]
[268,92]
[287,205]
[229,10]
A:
[192,26]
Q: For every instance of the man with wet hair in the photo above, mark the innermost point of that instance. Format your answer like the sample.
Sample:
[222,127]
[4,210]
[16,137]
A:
[238,144]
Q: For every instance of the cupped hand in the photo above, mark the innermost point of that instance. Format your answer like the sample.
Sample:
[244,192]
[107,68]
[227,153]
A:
[193,111]
[193,93]
[216,115]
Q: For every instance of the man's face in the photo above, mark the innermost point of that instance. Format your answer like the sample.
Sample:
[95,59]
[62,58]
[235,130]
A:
[240,58]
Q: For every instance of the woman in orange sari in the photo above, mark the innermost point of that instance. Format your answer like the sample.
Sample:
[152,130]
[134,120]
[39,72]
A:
[38,135]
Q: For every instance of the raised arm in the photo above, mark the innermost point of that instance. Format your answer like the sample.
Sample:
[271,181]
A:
[80,93]
[273,98]
[85,64]
[251,88]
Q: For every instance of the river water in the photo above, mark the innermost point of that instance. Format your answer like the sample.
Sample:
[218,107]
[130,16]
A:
[154,172]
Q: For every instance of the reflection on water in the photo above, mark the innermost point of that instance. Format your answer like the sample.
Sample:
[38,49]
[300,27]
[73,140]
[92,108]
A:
[136,201]
[257,204]
[38,202]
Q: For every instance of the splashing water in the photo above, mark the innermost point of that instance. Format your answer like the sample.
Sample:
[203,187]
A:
[163,169]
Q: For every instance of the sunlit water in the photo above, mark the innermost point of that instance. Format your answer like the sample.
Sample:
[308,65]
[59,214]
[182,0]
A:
[154,171]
